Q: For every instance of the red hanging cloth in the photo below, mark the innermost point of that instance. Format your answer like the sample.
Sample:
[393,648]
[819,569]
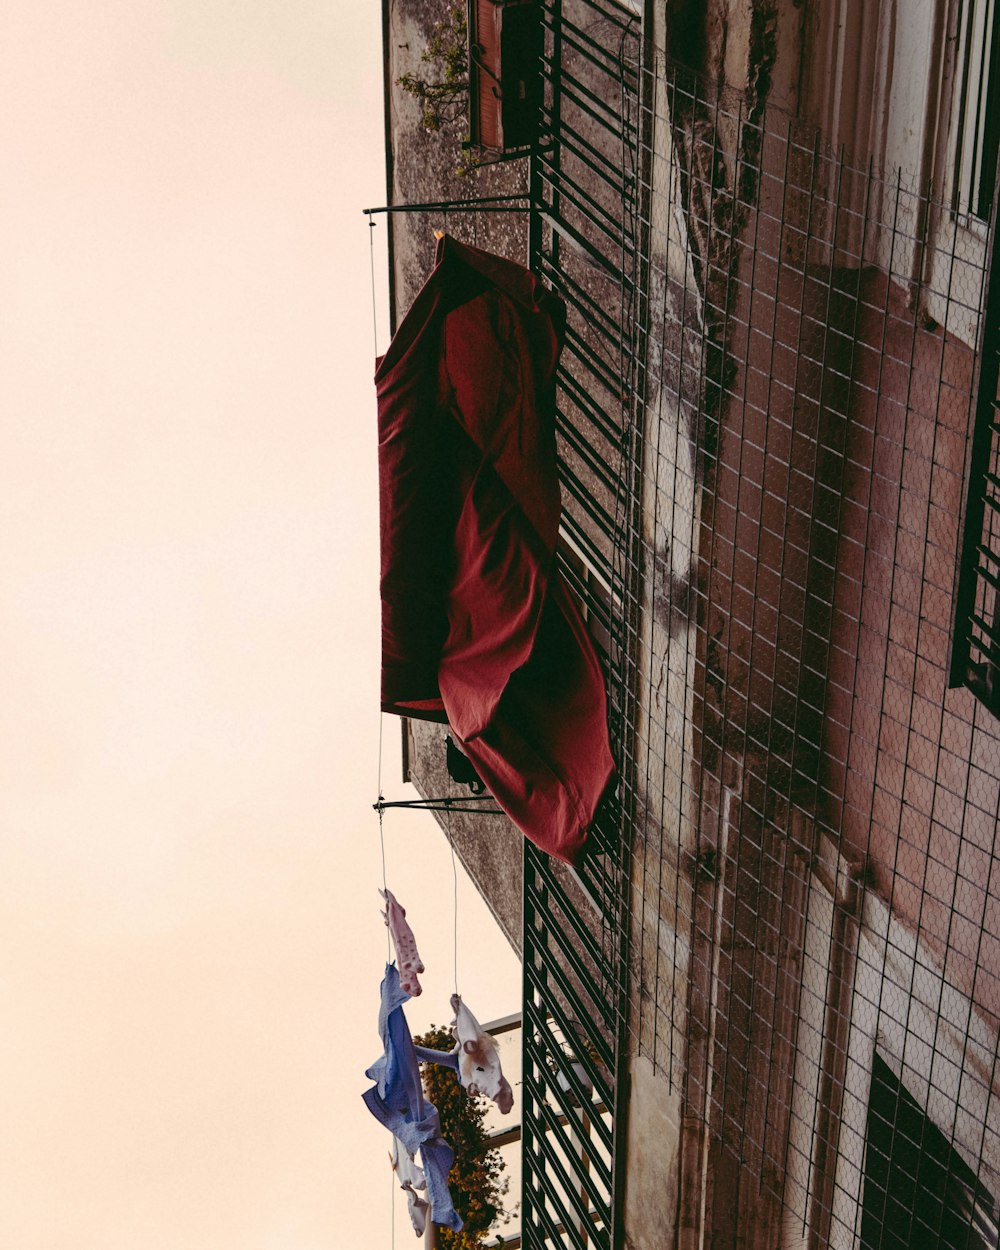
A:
[477,628]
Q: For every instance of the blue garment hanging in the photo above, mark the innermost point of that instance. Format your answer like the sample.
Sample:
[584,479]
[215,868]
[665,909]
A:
[397,1101]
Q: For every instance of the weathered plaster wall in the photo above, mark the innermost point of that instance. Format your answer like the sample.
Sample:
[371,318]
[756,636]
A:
[666,838]
[653,1173]
[490,847]
[912,771]
[423,166]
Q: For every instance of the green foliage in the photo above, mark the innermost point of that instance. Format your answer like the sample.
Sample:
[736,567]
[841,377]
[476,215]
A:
[477,1184]
[444,93]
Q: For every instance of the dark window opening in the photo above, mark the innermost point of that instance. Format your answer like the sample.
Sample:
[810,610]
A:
[976,652]
[919,1193]
[978,102]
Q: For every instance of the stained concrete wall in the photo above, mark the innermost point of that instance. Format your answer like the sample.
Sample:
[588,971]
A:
[422,166]
[652,1176]
[912,768]
[490,847]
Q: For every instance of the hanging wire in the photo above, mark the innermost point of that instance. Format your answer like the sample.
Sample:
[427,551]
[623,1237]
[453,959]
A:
[392,1209]
[454,874]
[371,257]
[380,796]
[381,838]
[379,806]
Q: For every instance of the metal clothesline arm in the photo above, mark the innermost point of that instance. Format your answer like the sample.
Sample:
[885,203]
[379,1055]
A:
[486,203]
[442,805]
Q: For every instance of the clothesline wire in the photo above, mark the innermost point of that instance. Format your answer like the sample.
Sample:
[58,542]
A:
[381,829]
[381,802]
[371,257]
[385,886]
[392,1210]
[381,838]
[454,876]
[380,808]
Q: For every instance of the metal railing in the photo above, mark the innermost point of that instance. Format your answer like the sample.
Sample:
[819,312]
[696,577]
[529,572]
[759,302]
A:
[584,242]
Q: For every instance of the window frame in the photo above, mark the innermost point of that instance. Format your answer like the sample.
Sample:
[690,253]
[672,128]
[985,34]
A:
[927,1032]
[975,136]
[972,581]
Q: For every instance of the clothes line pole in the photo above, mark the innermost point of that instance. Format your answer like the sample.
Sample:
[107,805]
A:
[486,203]
[445,801]
[446,804]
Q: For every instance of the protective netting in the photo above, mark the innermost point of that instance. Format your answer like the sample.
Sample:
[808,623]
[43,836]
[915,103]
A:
[767,405]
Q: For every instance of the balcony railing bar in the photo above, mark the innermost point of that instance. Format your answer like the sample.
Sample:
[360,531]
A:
[568,177]
[556,1230]
[604,372]
[552,1168]
[612,12]
[570,232]
[542,1019]
[596,558]
[605,239]
[588,943]
[582,302]
[575,1133]
[587,453]
[583,402]
[575,37]
[578,1176]
[586,209]
[582,104]
[538,1228]
[585,500]
[599,162]
[556,979]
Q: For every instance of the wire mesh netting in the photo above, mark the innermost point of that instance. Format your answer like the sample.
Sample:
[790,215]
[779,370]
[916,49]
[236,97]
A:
[766,410]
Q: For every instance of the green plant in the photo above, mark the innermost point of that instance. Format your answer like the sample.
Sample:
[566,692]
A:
[478,1186]
[443,93]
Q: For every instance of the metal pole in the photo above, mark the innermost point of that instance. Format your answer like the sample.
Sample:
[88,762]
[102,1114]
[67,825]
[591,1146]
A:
[483,204]
[456,804]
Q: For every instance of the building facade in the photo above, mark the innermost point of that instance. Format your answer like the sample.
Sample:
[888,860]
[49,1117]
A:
[766,1011]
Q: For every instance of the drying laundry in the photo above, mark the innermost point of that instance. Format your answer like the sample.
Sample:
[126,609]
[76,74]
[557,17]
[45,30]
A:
[404,942]
[475,1058]
[477,627]
[411,1179]
[397,1101]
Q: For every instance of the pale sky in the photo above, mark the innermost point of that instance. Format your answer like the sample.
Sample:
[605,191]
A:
[190,945]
